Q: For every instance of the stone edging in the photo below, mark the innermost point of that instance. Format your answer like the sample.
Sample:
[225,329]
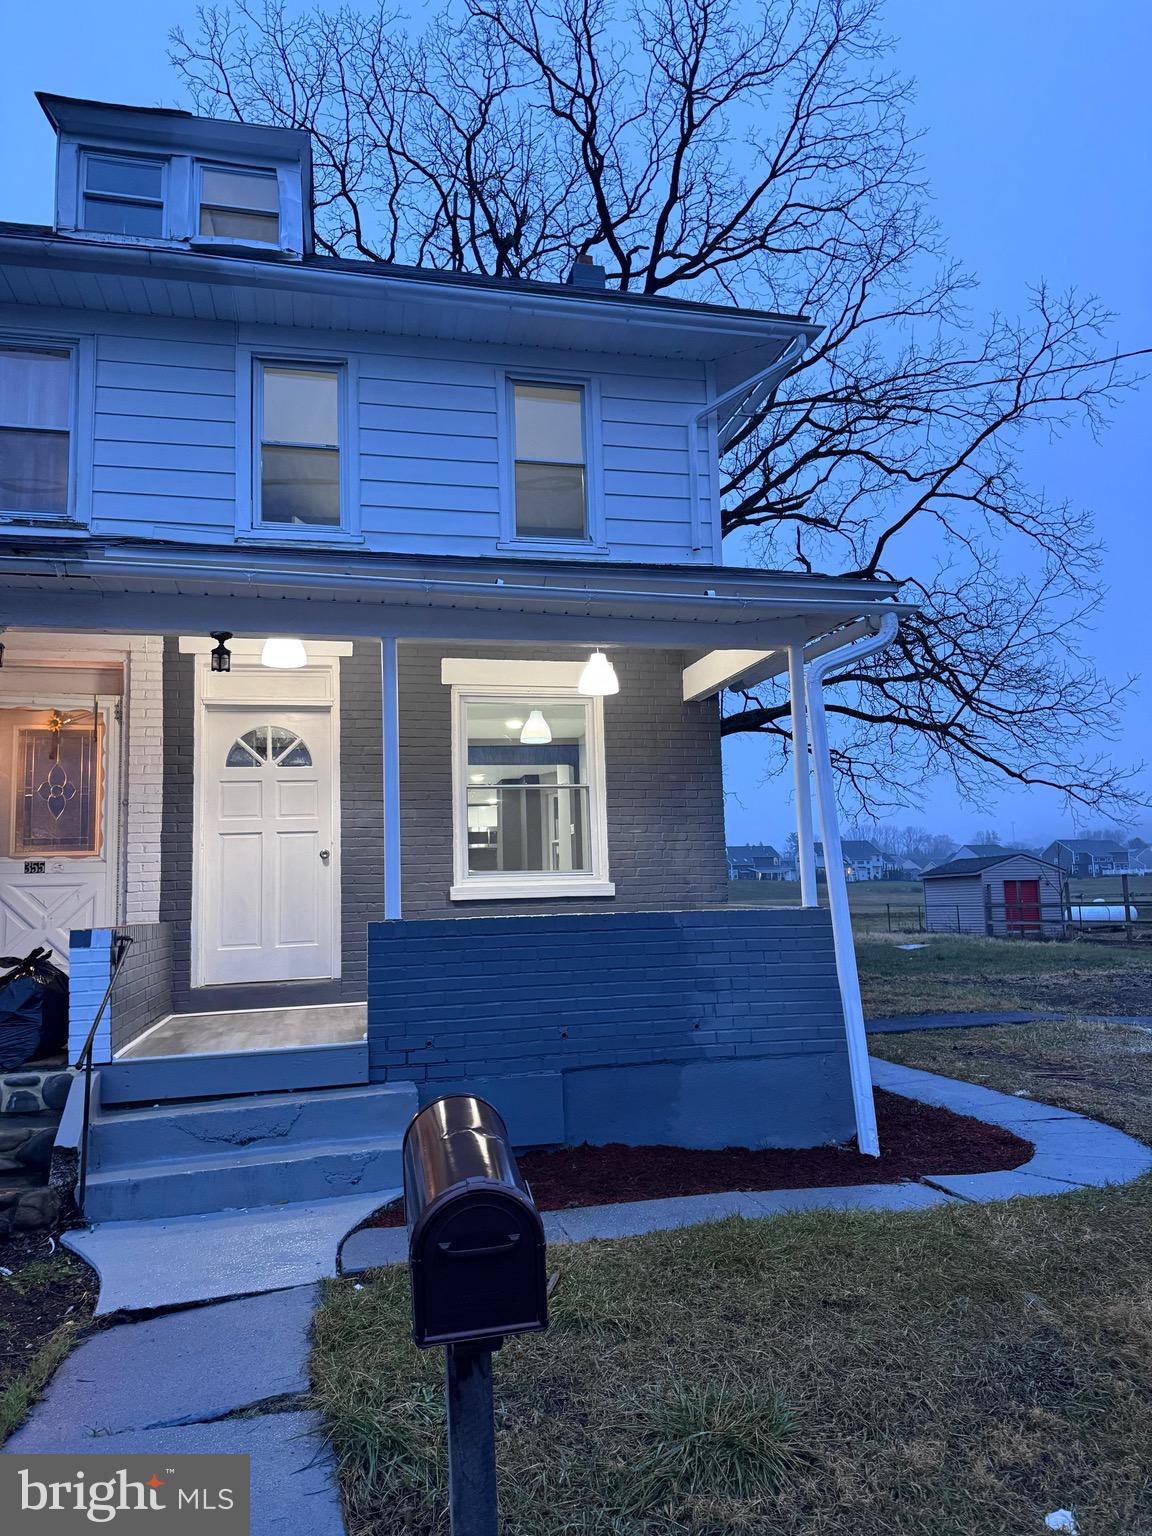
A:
[1071,1152]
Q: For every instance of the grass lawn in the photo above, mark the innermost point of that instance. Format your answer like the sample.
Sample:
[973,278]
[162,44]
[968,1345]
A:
[967,1369]
[1102,1070]
[955,974]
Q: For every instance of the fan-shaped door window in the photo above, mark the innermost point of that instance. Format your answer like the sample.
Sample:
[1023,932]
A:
[269,744]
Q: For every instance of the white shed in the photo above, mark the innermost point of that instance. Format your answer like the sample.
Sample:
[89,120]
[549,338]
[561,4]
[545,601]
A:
[1005,895]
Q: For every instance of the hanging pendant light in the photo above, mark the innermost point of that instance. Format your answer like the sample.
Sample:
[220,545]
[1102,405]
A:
[536,732]
[221,655]
[283,652]
[599,677]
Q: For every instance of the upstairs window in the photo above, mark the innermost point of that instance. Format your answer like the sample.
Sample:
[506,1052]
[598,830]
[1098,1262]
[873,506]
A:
[123,195]
[239,205]
[299,445]
[35,412]
[551,501]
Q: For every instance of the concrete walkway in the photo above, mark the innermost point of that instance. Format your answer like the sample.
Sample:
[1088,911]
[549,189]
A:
[145,1265]
[1071,1152]
[906,1023]
[231,1378]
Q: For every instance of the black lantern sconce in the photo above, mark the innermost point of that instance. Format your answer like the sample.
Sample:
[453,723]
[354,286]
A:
[221,655]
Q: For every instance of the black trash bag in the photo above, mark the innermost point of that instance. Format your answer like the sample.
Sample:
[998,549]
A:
[33,1009]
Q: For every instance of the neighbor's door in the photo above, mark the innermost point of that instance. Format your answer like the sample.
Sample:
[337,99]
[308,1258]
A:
[1022,906]
[59,820]
[267,887]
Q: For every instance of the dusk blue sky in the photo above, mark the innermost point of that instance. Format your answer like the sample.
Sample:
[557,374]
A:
[1039,137]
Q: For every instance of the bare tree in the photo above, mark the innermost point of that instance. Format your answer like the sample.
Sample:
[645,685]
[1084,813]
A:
[754,152]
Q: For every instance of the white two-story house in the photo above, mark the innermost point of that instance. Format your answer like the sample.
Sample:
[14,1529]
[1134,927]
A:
[364,628]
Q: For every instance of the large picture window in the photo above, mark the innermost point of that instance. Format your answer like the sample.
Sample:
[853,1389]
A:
[35,414]
[299,445]
[530,810]
[551,492]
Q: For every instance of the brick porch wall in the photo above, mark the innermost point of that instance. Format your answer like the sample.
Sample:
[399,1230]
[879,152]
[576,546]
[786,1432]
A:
[709,1026]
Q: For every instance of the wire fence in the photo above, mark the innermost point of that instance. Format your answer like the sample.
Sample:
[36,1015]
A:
[1121,916]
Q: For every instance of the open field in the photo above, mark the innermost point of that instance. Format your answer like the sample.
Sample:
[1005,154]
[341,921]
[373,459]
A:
[965,1369]
[953,973]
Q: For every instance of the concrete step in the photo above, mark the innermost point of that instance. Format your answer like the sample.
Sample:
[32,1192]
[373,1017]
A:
[241,1178]
[274,1122]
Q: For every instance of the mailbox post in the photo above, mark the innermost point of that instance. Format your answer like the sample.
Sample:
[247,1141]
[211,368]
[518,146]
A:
[476,1260]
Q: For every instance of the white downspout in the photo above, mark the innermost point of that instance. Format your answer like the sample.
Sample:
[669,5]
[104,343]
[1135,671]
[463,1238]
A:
[802,779]
[867,1138]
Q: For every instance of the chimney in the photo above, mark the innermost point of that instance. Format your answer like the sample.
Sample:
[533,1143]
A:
[585,273]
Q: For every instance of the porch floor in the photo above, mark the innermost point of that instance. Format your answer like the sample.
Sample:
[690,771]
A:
[261,1029]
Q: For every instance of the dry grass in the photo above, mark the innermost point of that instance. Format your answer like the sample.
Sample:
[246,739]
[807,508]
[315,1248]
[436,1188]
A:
[960,974]
[1098,1069]
[965,1369]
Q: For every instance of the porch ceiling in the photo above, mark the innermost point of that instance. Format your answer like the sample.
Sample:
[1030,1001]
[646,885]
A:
[166,588]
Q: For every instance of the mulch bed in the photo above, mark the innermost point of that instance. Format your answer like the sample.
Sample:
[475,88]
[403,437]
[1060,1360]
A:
[29,1313]
[915,1139]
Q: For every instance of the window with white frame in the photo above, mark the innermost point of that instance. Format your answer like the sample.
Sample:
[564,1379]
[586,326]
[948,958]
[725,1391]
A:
[35,428]
[551,489]
[530,807]
[123,195]
[298,431]
[239,204]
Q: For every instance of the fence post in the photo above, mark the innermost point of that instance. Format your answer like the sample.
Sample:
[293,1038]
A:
[888,909]
[1127,917]
[989,929]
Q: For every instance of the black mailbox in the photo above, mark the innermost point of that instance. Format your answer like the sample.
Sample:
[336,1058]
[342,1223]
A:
[475,1238]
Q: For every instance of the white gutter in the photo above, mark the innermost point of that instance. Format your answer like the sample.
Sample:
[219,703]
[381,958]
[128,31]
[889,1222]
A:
[867,1137]
[138,565]
[768,378]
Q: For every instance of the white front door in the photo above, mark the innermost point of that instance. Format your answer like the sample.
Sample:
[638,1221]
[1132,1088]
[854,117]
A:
[267,881]
[59,820]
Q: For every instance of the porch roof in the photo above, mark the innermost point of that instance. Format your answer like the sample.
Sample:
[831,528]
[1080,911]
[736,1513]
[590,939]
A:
[159,587]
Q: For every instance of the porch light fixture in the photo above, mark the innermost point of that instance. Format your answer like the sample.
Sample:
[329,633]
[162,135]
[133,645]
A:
[536,732]
[221,655]
[280,651]
[598,677]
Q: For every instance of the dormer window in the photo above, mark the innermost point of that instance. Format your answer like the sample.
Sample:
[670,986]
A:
[123,195]
[239,204]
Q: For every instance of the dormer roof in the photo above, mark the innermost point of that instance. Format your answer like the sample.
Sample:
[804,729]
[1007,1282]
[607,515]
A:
[185,146]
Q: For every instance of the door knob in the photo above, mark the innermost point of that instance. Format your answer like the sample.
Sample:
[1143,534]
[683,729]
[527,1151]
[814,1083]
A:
[325,855]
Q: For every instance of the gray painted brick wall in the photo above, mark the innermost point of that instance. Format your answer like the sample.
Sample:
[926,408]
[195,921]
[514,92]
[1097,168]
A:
[496,996]
[362,836]
[664,787]
[143,991]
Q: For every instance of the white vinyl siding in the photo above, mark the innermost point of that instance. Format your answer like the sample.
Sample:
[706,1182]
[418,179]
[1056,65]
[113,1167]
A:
[173,408]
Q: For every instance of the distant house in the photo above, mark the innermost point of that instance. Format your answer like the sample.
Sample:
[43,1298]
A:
[980,851]
[1013,895]
[862,859]
[1140,862]
[754,861]
[1088,858]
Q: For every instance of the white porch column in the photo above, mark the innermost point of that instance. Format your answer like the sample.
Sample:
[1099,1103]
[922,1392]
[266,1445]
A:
[805,847]
[867,1137]
[390,714]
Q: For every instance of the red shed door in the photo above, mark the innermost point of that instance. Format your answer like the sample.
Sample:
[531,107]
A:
[1022,906]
